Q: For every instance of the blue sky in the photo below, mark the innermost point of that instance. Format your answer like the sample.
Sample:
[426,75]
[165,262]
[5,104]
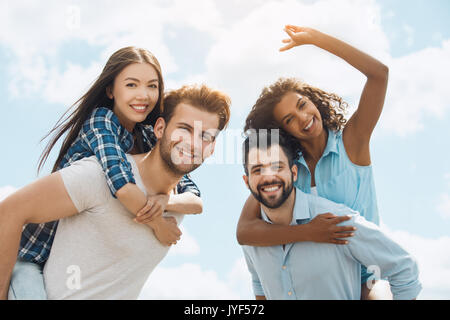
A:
[50,58]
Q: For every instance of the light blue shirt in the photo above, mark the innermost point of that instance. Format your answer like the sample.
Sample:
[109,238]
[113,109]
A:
[313,271]
[340,180]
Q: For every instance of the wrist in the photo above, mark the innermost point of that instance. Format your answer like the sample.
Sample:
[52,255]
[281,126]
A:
[303,232]
[155,223]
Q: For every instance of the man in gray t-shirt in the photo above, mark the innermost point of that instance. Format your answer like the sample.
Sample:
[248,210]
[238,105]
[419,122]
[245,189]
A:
[98,251]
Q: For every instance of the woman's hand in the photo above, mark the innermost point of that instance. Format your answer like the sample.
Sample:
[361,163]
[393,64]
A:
[324,229]
[153,209]
[298,36]
[166,230]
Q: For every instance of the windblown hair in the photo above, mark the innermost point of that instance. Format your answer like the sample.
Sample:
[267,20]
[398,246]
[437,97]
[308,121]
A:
[330,105]
[96,97]
[201,97]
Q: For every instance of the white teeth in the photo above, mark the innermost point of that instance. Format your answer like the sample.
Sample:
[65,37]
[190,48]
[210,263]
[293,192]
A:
[271,189]
[309,125]
[139,108]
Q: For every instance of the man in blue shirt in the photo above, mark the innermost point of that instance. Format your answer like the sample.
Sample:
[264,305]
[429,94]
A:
[309,270]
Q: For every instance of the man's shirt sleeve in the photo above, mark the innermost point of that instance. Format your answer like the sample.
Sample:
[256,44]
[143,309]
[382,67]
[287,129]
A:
[256,283]
[380,254]
[104,143]
[85,183]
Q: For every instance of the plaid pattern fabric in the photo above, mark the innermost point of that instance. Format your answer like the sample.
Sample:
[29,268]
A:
[102,135]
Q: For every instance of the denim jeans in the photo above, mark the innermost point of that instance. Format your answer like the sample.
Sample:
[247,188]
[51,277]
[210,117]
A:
[27,282]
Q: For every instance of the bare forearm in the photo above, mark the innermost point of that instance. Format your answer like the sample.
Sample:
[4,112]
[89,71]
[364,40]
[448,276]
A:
[186,203]
[131,197]
[10,231]
[253,231]
[368,65]
[262,234]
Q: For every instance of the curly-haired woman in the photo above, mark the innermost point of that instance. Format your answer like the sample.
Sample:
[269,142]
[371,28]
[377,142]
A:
[335,158]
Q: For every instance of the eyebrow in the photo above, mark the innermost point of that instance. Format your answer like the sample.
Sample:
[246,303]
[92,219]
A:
[184,124]
[256,166]
[137,80]
[296,106]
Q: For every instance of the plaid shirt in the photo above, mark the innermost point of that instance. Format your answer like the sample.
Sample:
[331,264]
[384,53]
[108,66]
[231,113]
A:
[102,135]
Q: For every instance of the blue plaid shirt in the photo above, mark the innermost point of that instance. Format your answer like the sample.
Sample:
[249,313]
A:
[102,135]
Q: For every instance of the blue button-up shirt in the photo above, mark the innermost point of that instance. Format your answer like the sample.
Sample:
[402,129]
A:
[313,271]
[340,180]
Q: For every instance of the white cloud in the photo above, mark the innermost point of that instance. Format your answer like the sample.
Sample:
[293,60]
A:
[6,191]
[36,69]
[443,206]
[417,90]
[243,55]
[190,281]
[433,258]
[186,246]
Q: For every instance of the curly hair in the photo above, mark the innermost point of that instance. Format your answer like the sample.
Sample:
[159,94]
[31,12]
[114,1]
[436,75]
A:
[331,106]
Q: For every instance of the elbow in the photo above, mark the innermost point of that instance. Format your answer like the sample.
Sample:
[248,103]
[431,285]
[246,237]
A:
[9,218]
[383,72]
[198,207]
[240,235]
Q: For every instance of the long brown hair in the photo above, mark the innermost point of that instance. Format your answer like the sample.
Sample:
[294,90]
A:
[96,97]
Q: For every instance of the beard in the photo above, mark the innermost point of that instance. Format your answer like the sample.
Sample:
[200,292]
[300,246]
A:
[274,203]
[179,168]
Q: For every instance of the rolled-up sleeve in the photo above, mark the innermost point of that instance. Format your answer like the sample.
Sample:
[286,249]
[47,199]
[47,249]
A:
[380,254]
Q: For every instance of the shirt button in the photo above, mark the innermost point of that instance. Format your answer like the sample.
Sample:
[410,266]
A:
[284,267]
[290,293]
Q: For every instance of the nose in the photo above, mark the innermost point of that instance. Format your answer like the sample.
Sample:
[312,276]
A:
[142,93]
[268,172]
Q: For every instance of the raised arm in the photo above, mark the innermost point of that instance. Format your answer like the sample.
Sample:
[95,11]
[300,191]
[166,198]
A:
[253,231]
[359,128]
[42,201]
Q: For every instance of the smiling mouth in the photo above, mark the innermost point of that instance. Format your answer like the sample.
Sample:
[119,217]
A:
[141,108]
[271,188]
[309,125]
[186,153]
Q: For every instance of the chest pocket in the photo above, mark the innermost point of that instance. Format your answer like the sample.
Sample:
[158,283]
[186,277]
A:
[342,188]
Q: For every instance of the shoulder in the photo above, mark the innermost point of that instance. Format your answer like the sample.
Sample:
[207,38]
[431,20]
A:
[85,183]
[102,118]
[319,205]
[86,167]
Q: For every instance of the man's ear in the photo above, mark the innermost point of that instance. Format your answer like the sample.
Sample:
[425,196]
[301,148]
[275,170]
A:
[159,127]
[109,92]
[245,177]
[294,171]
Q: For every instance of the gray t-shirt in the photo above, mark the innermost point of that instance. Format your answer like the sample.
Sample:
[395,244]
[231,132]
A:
[100,253]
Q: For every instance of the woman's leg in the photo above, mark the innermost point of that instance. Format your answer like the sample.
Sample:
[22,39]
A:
[27,282]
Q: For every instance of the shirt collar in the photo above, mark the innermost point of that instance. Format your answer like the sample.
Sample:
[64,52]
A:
[301,209]
[331,146]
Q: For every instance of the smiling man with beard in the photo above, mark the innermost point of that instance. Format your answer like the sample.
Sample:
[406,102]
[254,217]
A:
[309,270]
